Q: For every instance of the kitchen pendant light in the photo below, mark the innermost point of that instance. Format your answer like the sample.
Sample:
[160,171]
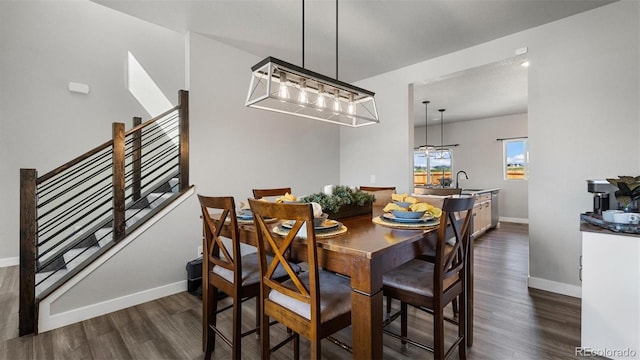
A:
[427,147]
[282,87]
[441,153]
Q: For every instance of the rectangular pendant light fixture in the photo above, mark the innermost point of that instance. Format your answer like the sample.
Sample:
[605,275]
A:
[282,87]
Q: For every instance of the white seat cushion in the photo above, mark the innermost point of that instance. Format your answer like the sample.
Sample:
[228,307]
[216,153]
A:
[251,270]
[335,296]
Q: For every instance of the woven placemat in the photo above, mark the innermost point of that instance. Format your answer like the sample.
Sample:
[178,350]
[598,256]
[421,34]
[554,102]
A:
[407,226]
[319,234]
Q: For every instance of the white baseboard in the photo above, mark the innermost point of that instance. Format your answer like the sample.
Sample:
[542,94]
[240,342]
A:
[12,261]
[514,220]
[47,322]
[555,287]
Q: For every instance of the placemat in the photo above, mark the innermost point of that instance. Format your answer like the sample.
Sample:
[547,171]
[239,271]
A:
[319,234]
[395,225]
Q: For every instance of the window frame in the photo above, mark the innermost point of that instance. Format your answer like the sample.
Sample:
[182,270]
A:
[505,158]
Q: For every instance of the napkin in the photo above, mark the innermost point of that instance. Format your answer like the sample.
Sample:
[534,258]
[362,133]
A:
[317,212]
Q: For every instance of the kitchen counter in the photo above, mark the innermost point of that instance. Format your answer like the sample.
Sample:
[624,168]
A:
[610,277]
[478,191]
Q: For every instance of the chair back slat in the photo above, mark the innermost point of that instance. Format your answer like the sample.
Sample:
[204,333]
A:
[216,252]
[300,214]
[261,193]
[454,226]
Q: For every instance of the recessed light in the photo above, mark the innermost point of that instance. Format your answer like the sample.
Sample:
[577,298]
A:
[525,64]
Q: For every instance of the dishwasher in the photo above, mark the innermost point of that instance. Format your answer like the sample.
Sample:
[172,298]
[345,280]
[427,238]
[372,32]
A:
[495,214]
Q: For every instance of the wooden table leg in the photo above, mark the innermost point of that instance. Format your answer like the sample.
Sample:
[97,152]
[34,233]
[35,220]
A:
[366,310]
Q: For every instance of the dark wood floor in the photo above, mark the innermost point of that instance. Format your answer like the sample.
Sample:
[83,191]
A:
[511,321]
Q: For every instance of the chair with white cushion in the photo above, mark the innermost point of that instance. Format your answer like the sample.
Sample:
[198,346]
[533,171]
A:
[314,304]
[227,267]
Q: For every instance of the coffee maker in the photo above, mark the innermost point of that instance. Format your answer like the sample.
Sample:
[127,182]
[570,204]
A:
[603,195]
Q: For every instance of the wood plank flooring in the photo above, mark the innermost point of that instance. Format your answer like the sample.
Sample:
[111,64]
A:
[511,321]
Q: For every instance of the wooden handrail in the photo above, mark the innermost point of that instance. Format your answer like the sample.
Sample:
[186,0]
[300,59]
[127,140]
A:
[99,148]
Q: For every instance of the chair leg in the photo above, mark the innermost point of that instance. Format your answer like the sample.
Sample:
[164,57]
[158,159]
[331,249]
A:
[403,321]
[209,312]
[264,336]
[316,353]
[438,333]
[389,298]
[462,328]
[454,305]
[258,318]
[296,347]
[237,328]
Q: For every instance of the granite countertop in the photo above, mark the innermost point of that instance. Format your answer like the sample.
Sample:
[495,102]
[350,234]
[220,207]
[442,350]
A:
[590,224]
[478,191]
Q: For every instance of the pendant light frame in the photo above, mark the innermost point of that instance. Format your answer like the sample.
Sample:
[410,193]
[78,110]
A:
[327,99]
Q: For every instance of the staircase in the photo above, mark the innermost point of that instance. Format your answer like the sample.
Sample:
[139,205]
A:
[91,245]
[74,214]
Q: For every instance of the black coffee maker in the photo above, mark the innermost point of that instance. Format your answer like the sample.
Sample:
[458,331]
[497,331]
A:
[603,195]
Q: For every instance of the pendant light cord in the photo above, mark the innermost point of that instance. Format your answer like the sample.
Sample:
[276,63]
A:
[336,39]
[303,34]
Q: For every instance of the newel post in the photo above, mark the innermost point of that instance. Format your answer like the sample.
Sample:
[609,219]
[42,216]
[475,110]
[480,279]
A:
[184,138]
[118,182]
[28,238]
[137,161]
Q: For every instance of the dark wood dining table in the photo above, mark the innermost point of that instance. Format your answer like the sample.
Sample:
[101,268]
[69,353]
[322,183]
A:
[364,253]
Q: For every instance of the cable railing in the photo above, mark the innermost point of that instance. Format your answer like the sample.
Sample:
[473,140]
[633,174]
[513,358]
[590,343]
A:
[74,213]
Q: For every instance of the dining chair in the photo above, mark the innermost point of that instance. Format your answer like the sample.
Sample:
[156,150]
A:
[261,193]
[382,193]
[225,268]
[430,286]
[314,304]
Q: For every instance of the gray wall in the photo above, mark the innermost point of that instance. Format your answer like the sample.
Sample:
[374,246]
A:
[44,46]
[583,93]
[481,156]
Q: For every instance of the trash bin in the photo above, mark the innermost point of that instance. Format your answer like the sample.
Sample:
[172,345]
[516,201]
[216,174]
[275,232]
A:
[194,277]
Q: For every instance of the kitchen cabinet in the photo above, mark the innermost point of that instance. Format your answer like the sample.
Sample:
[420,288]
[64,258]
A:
[481,214]
[610,274]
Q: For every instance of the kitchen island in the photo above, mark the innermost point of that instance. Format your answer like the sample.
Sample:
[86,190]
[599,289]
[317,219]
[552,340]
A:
[610,274]
[486,213]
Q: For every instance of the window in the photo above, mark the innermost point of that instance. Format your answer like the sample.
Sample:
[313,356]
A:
[438,164]
[516,159]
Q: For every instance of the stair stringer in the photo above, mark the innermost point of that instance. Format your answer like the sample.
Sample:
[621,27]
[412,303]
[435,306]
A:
[131,272]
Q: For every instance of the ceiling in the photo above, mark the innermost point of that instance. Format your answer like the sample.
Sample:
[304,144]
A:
[374,36]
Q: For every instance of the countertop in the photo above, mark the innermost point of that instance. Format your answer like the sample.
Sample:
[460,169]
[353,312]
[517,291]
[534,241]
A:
[588,227]
[478,191]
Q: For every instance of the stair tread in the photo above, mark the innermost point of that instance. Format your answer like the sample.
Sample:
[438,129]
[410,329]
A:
[81,253]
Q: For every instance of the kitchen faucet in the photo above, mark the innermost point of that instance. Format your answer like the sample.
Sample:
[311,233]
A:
[458,175]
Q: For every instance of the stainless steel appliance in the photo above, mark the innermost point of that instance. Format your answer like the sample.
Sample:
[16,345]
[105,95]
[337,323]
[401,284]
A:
[603,195]
[495,213]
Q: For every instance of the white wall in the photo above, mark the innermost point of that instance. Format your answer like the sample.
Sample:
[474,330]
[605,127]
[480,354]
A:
[481,156]
[44,46]
[234,148]
[583,92]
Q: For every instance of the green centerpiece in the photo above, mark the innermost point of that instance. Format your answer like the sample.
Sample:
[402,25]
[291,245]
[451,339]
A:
[344,202]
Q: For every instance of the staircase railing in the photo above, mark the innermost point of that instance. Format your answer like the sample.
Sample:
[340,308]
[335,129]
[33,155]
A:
[95,200]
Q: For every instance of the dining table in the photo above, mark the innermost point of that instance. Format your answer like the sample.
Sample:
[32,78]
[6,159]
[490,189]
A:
[365,251]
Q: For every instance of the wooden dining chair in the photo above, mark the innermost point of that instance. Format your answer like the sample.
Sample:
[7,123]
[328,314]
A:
[382,193]
[431,286]
[314,304]
[224,268]
[261,193]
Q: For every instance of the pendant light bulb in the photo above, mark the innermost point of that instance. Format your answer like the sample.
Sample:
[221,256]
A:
[336,101]
[303,98]
[283,90]
[351,109]
[321,101]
